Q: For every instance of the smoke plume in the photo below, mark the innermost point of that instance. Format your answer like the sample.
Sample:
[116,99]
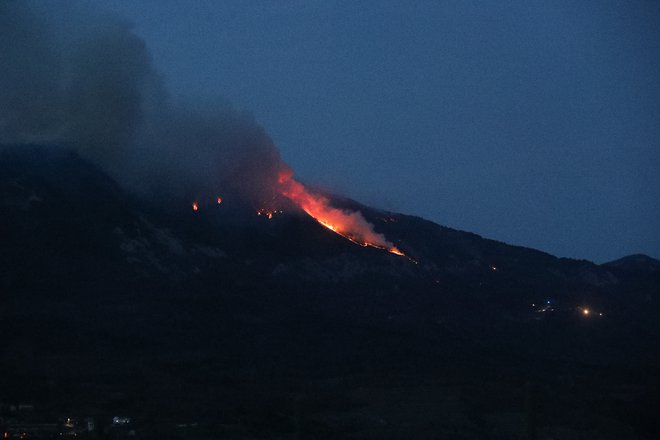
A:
[76,78]
[82,79]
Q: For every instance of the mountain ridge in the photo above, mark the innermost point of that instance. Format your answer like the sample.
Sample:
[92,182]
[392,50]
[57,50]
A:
[141,305]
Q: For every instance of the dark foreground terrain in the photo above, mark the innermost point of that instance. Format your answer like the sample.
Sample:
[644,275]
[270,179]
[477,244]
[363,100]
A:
[223,324]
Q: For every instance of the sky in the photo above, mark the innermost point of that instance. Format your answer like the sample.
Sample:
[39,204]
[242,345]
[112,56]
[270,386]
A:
[531,122]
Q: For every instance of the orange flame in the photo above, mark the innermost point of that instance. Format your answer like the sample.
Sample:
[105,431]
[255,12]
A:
[268,213]
[349,224]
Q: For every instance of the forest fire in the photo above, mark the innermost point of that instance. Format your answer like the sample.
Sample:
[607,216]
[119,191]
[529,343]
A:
[268,213]
[349,224]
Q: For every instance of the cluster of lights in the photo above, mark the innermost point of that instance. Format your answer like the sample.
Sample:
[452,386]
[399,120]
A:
[544,307]
[268,213]
[547,306]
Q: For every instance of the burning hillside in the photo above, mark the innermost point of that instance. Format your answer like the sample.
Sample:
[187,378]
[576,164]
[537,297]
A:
[78,247]
[151,142]
[349,224]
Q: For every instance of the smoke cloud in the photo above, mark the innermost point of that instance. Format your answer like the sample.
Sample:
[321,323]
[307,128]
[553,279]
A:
[73,77]
[79,79]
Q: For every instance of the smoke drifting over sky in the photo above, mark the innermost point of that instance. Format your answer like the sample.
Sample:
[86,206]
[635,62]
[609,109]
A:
[526,121]
[73,77]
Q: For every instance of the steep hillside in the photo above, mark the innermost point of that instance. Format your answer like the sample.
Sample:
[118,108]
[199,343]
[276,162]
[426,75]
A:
[114,302]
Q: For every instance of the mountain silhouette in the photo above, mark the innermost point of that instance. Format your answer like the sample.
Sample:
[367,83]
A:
[115,301]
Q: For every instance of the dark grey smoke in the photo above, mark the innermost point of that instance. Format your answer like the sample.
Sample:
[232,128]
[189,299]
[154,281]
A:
[82,79]
[30,76]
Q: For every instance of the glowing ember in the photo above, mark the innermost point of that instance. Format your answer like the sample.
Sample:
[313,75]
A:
[349,224]
[268,213]
[219,200]
[195,206]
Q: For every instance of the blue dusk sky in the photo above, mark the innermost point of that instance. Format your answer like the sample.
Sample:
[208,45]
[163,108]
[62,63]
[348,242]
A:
[532,122]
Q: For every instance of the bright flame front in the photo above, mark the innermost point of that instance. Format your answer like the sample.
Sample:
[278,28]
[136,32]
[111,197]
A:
[349,224]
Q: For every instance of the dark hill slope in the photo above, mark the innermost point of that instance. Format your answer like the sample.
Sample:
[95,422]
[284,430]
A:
[118,304]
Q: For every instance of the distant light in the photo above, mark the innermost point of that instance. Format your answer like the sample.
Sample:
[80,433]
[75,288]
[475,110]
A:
[219,200]
[600,314]
[195,206]
[548,301]
[493,268]
[585,312]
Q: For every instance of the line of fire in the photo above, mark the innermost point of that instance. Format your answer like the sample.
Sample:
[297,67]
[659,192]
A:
[347,223]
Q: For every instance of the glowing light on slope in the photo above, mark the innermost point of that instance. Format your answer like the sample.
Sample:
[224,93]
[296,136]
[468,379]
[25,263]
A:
[349,224]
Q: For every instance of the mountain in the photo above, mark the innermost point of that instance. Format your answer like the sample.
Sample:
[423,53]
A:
[122,303]
[635,263]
